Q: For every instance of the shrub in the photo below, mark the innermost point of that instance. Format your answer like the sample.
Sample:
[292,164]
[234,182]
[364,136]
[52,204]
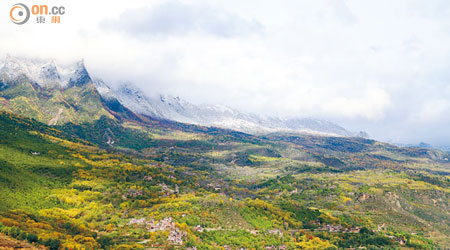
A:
[105,241]
[32,238]
[22,236]
[52,244]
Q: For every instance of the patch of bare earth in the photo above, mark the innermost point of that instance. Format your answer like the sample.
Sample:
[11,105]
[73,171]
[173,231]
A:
[8,243]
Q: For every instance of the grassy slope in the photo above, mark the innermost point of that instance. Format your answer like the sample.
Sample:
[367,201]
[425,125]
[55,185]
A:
[77,104]
[236,186]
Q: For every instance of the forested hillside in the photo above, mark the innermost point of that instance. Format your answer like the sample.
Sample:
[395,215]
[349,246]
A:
[175,187]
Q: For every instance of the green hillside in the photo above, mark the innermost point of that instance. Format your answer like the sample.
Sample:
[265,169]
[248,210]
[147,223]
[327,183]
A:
[53,106]
[176,186]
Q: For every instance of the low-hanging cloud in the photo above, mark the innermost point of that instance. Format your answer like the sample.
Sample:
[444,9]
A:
[380,66]
[174,18]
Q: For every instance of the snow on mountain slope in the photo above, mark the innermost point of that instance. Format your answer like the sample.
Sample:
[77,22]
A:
[77,75]
[44,73]
[316,125]
[174,108]
[49,75]
[52,94]
[104,90]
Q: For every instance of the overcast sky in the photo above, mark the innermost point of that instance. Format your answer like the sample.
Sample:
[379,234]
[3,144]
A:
[378,66]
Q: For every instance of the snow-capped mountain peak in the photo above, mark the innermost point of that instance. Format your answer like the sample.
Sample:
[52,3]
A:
[16,67]
[45,73]
[79,76]
[49,74]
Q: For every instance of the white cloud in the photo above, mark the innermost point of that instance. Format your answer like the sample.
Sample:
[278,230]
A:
[176,18]
[371,105]
[375,65]
[433,111]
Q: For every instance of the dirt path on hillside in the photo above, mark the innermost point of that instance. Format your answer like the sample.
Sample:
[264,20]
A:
[55,119]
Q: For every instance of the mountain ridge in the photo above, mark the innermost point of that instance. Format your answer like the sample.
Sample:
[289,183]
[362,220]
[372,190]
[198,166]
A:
[175,108]
[66,86]
[51,94]
[97,175]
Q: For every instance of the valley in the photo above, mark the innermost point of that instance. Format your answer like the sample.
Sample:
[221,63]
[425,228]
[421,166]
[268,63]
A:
[81,169]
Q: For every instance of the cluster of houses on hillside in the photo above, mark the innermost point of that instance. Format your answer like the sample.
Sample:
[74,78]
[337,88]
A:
[339,229]
[167,224]
[168,191]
